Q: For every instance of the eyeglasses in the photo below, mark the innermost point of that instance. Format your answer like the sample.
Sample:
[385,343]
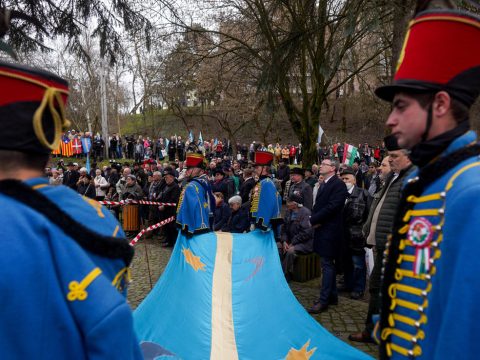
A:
[325,164]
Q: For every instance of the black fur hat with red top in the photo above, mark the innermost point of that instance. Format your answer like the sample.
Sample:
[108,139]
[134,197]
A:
[32,109]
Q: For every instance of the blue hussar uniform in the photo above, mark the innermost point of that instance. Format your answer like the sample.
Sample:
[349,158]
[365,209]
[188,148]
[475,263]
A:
[193,210]
[62,298]
[65,258]
[196,202]
[431,287]
[266,204]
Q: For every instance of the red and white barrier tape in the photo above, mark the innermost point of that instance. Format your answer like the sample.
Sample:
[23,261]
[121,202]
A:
[141,202]
[150,228]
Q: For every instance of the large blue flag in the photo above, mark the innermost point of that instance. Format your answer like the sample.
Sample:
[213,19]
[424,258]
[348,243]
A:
[224,296]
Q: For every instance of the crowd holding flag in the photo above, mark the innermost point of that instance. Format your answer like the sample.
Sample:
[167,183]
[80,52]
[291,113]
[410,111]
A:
[66,145]
[86,144]
[350,152]
[77,146]
[200,138]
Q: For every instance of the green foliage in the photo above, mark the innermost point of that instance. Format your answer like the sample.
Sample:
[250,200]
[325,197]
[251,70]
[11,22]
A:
[31,21]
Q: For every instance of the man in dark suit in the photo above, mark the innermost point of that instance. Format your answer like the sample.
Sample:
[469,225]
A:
[71,176]
[247,185]
[327,221]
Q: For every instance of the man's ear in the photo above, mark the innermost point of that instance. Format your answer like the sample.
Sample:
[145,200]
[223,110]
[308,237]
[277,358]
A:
[441,104]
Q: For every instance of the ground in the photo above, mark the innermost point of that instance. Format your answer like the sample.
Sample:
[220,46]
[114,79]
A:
[347,317]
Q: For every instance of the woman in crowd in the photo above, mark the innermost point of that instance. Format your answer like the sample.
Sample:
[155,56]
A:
[101,185]
[239,221]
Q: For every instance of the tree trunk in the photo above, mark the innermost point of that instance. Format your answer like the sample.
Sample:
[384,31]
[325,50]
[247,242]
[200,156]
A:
[402,12]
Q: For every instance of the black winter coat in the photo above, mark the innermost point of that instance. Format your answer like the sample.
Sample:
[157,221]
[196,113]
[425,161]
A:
[238,221]
[327,218]
[168,194]
[245,189]
[355,214]
[389,207]
[296,230]
[221,216]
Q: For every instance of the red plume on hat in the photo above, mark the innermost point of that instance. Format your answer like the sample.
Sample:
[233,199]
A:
[440,52]
[263,158]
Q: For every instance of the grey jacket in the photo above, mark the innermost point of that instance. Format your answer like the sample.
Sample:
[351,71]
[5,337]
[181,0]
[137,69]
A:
[305,191]
[388,211]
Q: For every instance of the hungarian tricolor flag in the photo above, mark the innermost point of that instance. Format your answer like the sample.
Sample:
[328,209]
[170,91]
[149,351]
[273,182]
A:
[77,146]
[67,149]
[350,152]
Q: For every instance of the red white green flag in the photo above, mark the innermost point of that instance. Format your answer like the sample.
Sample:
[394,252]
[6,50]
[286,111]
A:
[350,152]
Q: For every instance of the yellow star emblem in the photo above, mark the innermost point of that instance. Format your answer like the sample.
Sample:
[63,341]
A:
[301,354]
[205,205]
[192,260]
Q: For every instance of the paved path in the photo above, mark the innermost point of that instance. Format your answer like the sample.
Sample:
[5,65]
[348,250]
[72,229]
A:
[348,316]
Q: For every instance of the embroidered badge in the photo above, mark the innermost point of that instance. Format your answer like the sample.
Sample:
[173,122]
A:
[420,234]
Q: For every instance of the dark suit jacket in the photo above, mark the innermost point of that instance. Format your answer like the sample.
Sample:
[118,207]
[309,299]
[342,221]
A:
[327,217]
[70,179]
[246,188]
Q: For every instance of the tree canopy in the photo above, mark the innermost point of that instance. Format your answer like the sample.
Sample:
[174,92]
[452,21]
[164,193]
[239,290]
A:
[27,25]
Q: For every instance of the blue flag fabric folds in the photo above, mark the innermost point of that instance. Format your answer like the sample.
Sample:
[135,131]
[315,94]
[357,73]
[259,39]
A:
[224,296]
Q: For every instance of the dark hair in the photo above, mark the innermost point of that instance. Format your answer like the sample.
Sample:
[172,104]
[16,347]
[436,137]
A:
[12,159]
[460,111]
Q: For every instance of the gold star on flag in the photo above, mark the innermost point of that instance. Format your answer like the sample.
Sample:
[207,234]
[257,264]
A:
[301,354]
[192,260]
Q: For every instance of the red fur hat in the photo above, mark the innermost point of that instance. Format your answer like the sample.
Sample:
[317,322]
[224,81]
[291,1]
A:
[440,52]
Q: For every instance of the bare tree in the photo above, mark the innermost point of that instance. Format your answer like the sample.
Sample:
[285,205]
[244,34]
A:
[295,50]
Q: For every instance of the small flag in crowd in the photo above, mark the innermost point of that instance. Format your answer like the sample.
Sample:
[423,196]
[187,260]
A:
[86,144]
[67,149]
[215,142]
[58,151]
[350,152]
[166,143]
[200,139]
[77,146]
[190,136]
[320,134]
[87,164]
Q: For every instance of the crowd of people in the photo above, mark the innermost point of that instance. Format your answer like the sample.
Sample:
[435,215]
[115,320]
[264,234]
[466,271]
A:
[174,148]
[232,182]
[68,259]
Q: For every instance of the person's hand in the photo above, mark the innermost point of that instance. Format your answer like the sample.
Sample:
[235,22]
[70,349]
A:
[161,208]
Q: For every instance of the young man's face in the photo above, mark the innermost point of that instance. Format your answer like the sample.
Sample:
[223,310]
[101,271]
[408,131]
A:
[407,120]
